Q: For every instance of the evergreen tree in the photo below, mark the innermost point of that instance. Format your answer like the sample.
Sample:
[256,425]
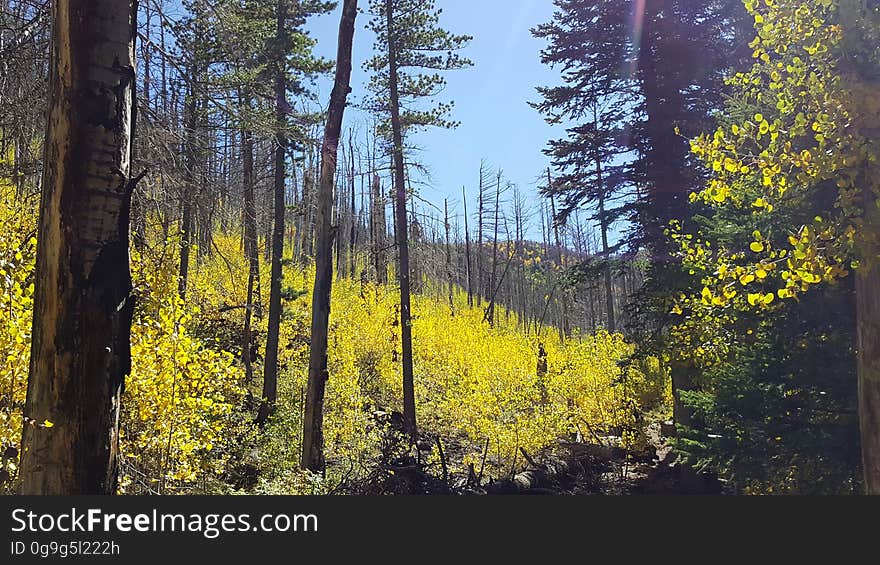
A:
[638,79]
[408,41]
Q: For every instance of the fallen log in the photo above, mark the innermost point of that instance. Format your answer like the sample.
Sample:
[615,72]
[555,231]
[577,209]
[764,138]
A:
[545,479]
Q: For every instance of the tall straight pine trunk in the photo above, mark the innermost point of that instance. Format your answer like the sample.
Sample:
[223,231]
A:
[270,369]
[403,273]
[80,352]
[313,422]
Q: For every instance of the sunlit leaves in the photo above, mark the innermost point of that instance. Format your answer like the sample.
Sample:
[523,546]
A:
[798,125]
[17,256]
[181,395]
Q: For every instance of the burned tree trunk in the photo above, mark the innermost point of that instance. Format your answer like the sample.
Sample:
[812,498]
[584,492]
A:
[378,227]
[490,311]
[467,253]
[186,222]
[449,273]
[83,307]
[313,425]
[251,246]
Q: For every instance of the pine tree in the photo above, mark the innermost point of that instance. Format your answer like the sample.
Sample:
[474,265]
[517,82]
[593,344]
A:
[664,64]
[408,40]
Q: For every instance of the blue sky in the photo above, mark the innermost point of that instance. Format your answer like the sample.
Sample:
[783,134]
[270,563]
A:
[490,98]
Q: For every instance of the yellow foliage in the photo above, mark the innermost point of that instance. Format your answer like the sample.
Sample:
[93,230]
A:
[181,397]
[186,420]
[17,257]
[473,382]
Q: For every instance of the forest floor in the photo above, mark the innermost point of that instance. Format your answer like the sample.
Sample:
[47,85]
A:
[567,468]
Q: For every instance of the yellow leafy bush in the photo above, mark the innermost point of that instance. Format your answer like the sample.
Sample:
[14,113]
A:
[17,258]
[181,399]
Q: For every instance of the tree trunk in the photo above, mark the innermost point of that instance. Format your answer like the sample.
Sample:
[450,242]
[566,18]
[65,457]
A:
[403,273]
[251,245]
[481,205]
[467,252]
[80,351]
[139,199]
[379,225]
[603,227]
[352,236]
[270,370]
[490,310]
[449,273]
[186,222]
[313,426]
[868,325]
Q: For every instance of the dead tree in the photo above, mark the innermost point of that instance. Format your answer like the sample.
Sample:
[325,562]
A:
[80,353]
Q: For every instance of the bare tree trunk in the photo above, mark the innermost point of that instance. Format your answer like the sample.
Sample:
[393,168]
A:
[83,307]
[868,325]
[251,245]
[304,227]
[519,211]
[547,267]
[490,311]
[379,230]
[481,205]
[138,201]
[309,188]
[467,252]
[415,248]
[186,222]
[449,274]
[352,238]
[270,369]
[164,68]
[313,427]
[403,273]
